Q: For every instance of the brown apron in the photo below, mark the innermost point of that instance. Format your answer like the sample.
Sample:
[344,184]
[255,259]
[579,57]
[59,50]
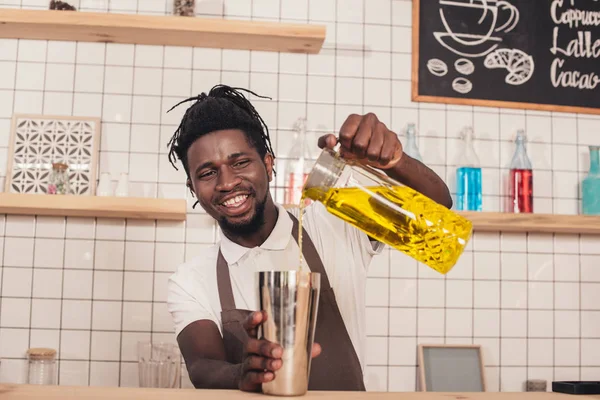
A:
[337,367]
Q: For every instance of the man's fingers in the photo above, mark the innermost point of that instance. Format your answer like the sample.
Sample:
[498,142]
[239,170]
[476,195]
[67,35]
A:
[328,141]
[376,143]
[348,130]
[262,364]
[362,138]
[254,319]
[253,379]
[316,350]
[263,348]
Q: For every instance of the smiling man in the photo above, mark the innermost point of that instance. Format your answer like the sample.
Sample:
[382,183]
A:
[226,151]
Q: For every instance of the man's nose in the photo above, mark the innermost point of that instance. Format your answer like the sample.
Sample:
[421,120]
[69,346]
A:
[227,180]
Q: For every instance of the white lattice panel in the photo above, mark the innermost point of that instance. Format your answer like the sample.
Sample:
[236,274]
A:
[37,141]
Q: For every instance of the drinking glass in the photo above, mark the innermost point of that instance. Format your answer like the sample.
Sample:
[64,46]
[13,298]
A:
[159,364]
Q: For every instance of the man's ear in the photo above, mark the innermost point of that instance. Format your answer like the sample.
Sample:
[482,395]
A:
[188,183]
[269,164]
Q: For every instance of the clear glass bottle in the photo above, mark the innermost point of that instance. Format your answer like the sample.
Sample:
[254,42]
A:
[105,185]
[468,176]
[42,366]
[590,186]
[298,166]
[520,178]
[410,147]
[59,179]
[122,189]
[388,211]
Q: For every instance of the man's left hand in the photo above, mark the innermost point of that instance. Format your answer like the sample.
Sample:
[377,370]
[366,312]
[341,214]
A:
[367,139]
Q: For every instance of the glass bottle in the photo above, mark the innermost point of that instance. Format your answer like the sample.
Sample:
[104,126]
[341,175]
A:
[122,189]
[410,147]
[105,185]
[59,179]
[521,178]
[590,186]
[388,211]
[297,167]
[468,176]
[42,366]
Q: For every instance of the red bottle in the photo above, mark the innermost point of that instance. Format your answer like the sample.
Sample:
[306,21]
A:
[520,178]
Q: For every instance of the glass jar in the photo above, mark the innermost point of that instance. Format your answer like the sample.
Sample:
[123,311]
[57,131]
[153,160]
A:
[42,366]
[184,8]
[590,186]
[59,179]
[388,211]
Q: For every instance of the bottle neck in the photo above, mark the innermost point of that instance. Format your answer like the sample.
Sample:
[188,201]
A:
[520,158]
[324,175]
[468,157]
[411,142]
[595,160]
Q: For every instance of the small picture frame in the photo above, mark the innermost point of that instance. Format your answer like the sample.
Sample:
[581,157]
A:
[451,368]
[38,141]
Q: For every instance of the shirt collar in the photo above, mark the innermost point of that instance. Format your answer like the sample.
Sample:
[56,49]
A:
[277,240]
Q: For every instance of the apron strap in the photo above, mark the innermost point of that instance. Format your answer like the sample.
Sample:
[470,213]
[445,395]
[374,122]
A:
[224,284]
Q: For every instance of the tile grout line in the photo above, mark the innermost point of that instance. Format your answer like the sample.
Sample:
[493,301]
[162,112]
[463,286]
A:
[92,300]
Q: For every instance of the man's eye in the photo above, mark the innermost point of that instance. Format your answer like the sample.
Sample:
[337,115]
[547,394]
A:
[241,163]
[206,175]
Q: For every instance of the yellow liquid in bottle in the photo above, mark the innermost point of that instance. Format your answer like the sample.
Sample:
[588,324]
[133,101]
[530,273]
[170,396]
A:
[402,218]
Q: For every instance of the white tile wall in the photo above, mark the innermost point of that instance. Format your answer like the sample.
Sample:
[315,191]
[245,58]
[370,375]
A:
[93,288]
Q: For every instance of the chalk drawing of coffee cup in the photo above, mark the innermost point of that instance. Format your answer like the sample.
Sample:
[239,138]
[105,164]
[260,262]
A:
[472,26]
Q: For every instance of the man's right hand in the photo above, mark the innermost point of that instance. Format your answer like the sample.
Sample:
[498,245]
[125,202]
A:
[262,358]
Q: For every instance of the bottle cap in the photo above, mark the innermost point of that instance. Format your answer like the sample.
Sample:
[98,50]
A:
[41,353]
[60,166]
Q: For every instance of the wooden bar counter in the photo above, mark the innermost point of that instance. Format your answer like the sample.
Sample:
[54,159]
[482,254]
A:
[22,392]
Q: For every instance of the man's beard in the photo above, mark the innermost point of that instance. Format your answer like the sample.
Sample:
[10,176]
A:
[249,227]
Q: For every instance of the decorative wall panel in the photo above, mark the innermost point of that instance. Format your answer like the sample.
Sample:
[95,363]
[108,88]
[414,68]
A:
[38,141]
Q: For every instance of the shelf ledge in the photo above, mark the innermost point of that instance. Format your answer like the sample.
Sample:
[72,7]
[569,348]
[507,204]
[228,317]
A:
[161,30]
[529,223]
[93,206]
[542,223]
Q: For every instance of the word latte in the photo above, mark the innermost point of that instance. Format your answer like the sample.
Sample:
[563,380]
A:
[577,44]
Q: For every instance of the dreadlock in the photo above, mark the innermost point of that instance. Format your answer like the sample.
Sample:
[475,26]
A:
[224,107]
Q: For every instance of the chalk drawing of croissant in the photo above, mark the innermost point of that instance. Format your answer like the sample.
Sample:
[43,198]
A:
[520,65]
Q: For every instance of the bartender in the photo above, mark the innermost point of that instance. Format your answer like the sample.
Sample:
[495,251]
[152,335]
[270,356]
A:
[225,149]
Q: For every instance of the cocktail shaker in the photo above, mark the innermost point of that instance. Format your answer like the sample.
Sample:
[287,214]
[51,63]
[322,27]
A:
[290,299]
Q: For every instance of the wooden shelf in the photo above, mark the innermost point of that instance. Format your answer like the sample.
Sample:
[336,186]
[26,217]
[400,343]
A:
[93,206]
[161,30]
[542,223]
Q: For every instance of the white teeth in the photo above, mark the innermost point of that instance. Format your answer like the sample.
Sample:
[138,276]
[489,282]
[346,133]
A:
[237,200]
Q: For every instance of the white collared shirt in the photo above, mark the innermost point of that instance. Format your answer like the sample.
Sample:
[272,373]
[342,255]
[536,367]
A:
[346,253]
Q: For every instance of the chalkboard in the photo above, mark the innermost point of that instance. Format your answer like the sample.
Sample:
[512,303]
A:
[529,54]
[451,368]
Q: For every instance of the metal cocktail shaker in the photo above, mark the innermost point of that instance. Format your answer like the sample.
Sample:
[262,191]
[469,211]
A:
[290,299]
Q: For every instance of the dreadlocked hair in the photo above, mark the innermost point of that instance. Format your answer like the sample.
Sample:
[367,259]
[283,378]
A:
[224,107]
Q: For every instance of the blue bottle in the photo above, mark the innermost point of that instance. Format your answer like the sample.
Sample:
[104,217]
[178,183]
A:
[590,186]
[468,176]
[410,146]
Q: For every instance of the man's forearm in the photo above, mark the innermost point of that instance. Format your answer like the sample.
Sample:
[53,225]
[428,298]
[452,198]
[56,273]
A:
[214,374]
[418,176]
